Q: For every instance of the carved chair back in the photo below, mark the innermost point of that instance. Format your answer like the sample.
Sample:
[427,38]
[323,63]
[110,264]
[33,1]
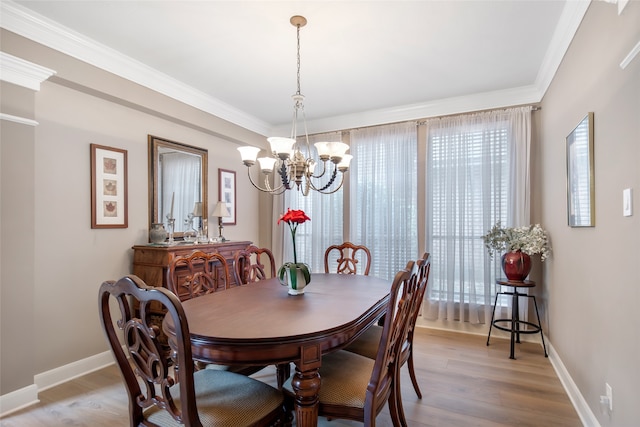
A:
[253,264]
[160,394]
[345,257]
[147,360]
[197,274]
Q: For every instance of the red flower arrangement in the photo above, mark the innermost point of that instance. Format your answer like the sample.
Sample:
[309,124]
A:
[294,218]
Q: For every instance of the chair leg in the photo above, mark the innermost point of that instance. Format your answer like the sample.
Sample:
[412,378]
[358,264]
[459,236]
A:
[283,372]
[412,374]
[396,409]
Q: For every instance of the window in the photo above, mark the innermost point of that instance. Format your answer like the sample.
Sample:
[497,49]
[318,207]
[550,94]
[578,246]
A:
[383,203]
[473,180]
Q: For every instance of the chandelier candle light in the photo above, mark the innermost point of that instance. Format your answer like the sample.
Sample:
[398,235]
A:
[292,159]
[294,274]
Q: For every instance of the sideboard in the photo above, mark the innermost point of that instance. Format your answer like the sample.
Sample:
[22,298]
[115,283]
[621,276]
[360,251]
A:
[151,261]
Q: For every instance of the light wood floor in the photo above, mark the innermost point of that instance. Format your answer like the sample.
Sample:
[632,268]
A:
[463,382]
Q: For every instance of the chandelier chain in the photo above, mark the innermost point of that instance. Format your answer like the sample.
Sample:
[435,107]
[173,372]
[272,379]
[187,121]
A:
[298,56]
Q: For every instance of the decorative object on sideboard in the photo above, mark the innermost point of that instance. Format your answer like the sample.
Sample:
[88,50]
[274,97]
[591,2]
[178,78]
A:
[220,211]
[171,224]
[189,234]
[519,243]
[294,161]
[201,232]
[295,275]
[157,234]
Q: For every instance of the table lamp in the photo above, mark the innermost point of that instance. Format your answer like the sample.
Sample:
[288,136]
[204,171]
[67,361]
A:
[220,211]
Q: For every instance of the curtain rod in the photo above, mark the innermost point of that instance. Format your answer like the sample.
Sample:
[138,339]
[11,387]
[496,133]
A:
[534,107]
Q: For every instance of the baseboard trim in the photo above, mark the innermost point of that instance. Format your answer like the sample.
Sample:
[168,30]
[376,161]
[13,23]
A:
[581,406]
[72,370]
[19,399]
[28,396]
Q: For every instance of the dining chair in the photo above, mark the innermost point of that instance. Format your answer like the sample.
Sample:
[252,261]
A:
[367,344]
[199,273]
[344,258]
[357,388]
[164,395]
[196,274]
[252,264]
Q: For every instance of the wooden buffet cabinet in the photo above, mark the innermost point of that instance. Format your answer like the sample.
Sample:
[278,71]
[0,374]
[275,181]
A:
[151,262]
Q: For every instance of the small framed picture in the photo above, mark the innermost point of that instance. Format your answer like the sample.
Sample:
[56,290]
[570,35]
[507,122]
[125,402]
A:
[227,193]
[108,187]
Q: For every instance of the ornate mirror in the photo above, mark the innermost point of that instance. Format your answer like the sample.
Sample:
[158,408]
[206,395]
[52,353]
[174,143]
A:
[177,184]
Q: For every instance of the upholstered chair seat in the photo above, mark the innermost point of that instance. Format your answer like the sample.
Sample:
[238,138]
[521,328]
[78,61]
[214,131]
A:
[220,398]
[345,377]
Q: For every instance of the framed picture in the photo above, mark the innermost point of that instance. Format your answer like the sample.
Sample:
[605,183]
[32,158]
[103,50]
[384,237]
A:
[108,187]
[227,193]
[580,175]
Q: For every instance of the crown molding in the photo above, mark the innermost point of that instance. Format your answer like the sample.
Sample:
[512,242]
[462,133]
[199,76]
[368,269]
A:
[22,73]
[33,26]
[440,107]
[632,54]
[568,24]
[17,119]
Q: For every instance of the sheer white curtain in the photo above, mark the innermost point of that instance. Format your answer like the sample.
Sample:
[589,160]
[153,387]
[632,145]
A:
[383,200]
[181,176]
[477,174]
[325,211]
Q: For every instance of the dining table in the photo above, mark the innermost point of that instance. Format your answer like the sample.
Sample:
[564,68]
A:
[261,324]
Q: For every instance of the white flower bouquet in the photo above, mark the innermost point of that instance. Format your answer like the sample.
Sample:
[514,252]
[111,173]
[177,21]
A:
[530,239]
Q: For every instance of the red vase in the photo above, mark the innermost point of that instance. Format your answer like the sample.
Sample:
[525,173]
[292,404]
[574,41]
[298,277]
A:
[516,266]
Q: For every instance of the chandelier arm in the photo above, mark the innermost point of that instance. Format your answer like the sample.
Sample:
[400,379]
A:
[328,184]
[324,169]
[321,190]
[268,188]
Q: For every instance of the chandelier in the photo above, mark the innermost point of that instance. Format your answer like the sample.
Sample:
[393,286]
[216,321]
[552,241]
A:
[293,159]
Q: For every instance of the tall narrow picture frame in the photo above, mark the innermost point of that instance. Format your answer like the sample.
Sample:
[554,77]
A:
[109,196]
[227,193]
[580,175]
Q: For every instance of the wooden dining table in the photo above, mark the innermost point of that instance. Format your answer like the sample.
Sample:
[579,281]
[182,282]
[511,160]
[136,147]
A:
[261,324]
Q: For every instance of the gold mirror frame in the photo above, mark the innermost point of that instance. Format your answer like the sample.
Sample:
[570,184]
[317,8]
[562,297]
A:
[157,148]
[580,175]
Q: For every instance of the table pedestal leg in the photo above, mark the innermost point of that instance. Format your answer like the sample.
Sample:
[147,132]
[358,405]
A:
[306,386]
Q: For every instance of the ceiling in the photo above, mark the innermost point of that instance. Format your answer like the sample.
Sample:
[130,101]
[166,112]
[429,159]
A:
[362,62]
